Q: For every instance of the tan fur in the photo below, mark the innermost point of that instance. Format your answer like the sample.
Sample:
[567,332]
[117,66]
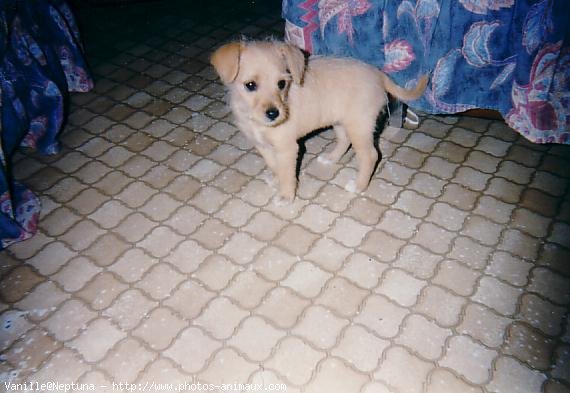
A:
[344,93]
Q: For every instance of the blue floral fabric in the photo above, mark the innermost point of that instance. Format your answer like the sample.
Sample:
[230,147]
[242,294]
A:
[40,62]
[512,56]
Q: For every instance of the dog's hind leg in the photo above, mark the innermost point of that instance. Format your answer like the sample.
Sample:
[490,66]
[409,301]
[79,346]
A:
[341,146]
[362,138]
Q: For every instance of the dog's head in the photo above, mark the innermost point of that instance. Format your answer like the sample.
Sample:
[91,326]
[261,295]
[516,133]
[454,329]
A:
[259,76]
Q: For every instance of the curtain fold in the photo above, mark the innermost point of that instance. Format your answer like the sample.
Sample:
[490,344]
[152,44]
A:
[41,61]
[512,56]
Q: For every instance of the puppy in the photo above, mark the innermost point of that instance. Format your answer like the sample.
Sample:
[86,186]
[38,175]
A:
[277,97]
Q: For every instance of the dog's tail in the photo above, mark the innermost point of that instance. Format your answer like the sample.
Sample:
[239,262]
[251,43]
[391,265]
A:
[400,92]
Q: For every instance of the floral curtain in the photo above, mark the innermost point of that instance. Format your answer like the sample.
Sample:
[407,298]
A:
[512,56]
[40,62]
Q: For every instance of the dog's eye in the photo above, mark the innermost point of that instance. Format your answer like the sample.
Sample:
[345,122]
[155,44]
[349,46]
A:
[251,86]
[281,84]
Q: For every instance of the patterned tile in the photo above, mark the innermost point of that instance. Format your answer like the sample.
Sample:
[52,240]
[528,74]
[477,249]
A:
[18,282]
[441,305]
[64,359]
[382,316]
[95,341]
[401,287]
[541,314]
[67,321]
[248,289]
[126,360]
[403,371]
[443,381]
[129,308]
[423,337]
[360,348]
[484,325]
[295,360]
[159,238]
[320,327]
[159,328]
[512,376]
[306,279]
[497,295]
[529,346]
[469,359]
[42,301]
[333,374]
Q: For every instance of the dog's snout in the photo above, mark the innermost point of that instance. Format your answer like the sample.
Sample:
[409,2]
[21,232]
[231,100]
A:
[272,113]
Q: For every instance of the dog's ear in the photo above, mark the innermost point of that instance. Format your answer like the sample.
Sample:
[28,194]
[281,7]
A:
[295,60]
[226,61]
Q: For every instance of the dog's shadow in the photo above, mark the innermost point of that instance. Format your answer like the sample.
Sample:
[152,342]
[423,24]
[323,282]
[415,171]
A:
[381,123]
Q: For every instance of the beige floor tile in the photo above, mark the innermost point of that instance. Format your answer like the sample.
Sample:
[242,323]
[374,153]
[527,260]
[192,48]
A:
[129,308]
[248,289]
[423,337]
[64,359]
[363,270]
[295,360]
[382,316]
[512,376]
[241,248]
[403,371]
[443,381]
[328,254]
[333,374]
[228,365]
[401,287]
[529,346]
[283,307]
[441,305]
[102,290]
[418,261]
[457,277]
[541,314]
[68,320]
[126,360]
[96,339]
[320,327]
[14,324]
[18,282]
[469,359]
[51,258]
[162,257]
[32,350]
[295,239]
[341,296]
[256,338]
[42,301]
[159,328]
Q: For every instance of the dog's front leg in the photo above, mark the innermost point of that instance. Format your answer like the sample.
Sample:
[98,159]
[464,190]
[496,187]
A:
[286,165]
[269,157]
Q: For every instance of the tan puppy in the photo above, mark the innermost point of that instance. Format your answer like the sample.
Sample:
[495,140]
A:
[277,97]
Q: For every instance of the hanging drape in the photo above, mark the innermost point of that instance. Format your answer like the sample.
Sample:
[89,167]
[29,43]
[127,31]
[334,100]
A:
[512,56]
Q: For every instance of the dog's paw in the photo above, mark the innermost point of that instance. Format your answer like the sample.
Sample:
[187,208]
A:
[351,186]
[278,200]
[324,160]
[268,178]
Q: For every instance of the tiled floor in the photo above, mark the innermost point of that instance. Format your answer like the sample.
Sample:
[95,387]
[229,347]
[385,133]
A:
[162,258]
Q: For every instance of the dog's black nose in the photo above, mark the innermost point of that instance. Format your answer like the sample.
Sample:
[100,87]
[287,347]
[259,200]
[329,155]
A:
[272,113]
